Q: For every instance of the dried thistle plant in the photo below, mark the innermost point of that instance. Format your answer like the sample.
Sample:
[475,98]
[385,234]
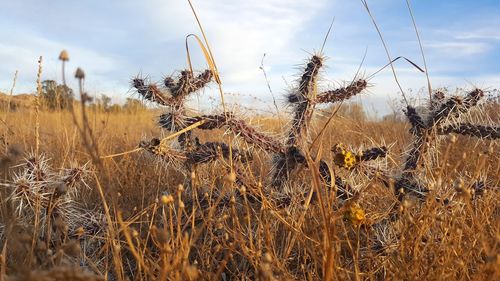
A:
[302,101]
[286,156]
[47,199]
[443,117]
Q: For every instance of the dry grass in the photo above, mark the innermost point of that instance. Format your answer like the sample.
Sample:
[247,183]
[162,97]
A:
[173,194]
[211,227]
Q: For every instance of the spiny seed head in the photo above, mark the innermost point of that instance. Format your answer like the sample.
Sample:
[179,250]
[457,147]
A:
[63,56]
[169,82]
[316,62]
[438,95]
[79,74]
[138,83]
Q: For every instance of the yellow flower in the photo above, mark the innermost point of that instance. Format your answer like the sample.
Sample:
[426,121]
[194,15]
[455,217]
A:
[349,160]
[342,157]
[355,214]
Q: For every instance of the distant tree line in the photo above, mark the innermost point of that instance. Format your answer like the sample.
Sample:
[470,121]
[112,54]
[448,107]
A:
[56,96]
[60,97]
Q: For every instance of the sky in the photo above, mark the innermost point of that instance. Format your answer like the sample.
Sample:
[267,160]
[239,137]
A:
[114,41]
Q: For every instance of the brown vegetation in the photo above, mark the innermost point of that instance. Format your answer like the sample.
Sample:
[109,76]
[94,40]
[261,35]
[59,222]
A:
[91,193]
[188,215]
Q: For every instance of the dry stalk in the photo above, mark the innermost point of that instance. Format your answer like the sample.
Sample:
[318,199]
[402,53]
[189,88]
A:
[37,105]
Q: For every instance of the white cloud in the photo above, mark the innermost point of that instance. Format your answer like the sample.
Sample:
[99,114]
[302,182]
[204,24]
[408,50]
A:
[240,32]
[482,34]
[459,48]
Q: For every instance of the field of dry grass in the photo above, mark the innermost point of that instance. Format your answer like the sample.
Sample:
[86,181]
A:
[319,192]
[77,211]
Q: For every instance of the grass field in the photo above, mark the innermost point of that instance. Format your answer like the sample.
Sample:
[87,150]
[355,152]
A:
[140,216]
[318,191]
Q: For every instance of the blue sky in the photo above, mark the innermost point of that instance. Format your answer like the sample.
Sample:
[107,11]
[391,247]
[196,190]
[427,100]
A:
[115,40]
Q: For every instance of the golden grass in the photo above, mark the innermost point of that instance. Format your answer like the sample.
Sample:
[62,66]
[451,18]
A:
[168,225]
[90,195]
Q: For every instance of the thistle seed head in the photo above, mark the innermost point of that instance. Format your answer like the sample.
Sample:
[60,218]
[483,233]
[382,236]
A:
[64,56]
[79,74]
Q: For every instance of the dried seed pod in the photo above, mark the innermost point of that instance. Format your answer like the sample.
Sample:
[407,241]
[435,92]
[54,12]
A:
[79,74]
[64,56]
